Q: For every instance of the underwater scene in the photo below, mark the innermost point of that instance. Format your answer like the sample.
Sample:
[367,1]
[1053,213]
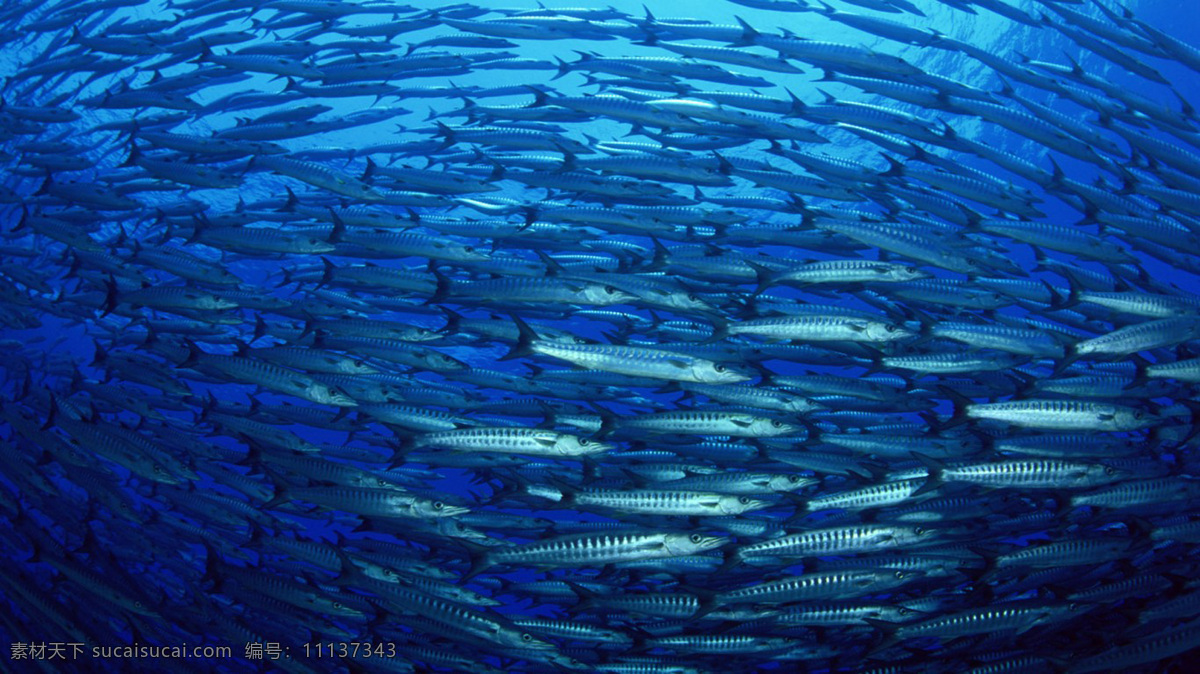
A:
[502,336]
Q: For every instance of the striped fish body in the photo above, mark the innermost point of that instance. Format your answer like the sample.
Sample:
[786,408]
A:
[708,422]
[821,328]
[1063,415]
[533,441]
[589,550]
[1164,332]
[1034,474]
[642,362]
[667,502]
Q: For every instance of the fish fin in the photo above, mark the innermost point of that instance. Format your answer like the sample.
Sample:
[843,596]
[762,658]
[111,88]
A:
[720,330]
[194,354]
[935,468]
[212,564]
[111,294]
[478,557]
[443,285]
[339,228]
[1065,362]
[525,339]
[764,276]
[749,34]
[1193,407]
[960,402]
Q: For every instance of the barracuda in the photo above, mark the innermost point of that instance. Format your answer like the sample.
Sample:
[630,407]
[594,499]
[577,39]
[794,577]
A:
[1141,337]
[629,360]
[930,247]
[367,502]
[1062,238]
[535,442]
[167,298]
[840,272]
[1014,340]
[756,397]
[702,422]
[267,375]
[1028,474]
[859,539]
[880,444]
[318,175]
[818,586]
[740,483]
[259,240]
[521,290]
[954,362]
[1014,617]
[818,328]
[866,498]
[185,265]
[588,550]
[1063,415]
[659,501]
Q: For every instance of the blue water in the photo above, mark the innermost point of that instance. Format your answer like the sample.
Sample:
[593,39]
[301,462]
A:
[170,569]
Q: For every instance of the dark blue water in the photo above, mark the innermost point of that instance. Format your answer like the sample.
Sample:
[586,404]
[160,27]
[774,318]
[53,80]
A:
[102,554]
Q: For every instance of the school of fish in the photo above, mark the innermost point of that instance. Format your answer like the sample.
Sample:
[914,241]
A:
[532,339]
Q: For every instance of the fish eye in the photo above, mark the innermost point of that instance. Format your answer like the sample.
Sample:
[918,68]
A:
[469,249]
[438,505]
[777,423]
[1110,471]
[1138,414]
[793,478]
[610,290]
[743,500]
[337,605]
[584,442]
[903,611]
[920,530]
[696,538]
[719,368]
[891,328]
[359,363]
[526,637]
[692,297]
[899,574]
